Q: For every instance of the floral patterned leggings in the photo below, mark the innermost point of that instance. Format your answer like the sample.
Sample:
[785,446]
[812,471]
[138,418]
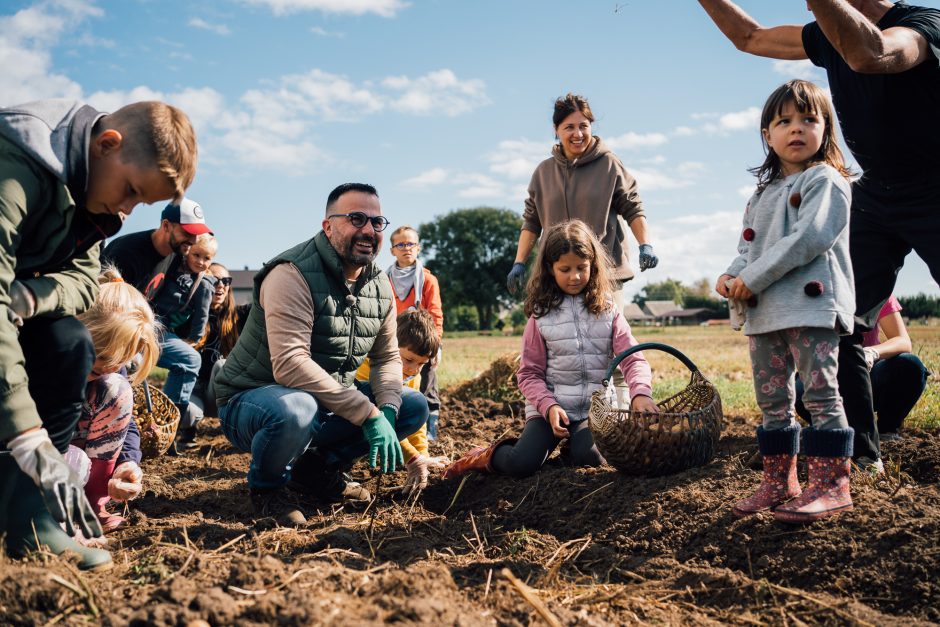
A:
[814,353]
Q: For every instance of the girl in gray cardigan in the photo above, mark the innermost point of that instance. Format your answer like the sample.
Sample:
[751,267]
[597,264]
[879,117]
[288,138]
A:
[794,273]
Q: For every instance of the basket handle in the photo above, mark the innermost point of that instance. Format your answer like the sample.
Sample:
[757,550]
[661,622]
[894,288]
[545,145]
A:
[644,346]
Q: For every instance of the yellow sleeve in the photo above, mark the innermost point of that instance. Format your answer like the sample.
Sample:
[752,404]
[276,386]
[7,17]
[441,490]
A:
[363,373]
[419,440]
[410,451]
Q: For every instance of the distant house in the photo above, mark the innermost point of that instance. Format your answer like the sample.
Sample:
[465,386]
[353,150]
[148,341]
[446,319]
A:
[659,308]
[633,313]
[243,282]
[666,312]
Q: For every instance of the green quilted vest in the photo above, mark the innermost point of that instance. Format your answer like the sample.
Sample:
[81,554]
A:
[345,322]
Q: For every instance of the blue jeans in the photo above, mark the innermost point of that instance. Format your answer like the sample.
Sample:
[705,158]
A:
[183,362]
[276,424]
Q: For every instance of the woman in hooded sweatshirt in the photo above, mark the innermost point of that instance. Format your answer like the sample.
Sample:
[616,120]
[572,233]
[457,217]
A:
[583,180]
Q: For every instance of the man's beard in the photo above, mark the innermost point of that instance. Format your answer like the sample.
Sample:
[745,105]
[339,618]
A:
[352,257]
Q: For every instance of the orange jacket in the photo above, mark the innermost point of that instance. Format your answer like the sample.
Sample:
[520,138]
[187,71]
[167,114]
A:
[430,300]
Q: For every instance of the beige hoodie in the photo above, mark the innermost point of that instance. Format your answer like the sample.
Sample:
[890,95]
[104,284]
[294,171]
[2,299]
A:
[595,188]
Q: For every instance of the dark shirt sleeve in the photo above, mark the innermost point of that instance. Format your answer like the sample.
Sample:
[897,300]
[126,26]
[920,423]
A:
[132,260]
[926,22]
[202,300]
[813,43]
[130,450]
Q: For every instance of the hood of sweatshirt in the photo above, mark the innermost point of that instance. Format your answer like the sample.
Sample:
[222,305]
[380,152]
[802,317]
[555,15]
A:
[597,150]
[57,134]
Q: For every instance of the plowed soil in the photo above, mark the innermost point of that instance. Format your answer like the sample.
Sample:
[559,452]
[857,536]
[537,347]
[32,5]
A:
[594,546]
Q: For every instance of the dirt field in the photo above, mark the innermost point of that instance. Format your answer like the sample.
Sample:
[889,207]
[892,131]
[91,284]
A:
[596,547]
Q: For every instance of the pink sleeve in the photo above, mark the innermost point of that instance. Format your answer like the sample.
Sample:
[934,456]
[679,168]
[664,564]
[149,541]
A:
[890,307]
[635,368]
[531,375]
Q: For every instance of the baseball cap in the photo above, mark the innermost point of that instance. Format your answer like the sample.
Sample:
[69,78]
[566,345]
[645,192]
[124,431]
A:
[188,214]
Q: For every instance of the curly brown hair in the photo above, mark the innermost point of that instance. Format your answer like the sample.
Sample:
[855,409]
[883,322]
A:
[573,236]
[805,97]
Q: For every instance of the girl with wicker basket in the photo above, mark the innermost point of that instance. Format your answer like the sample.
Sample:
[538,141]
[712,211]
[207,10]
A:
[794,273]
[572,333]
[122,328]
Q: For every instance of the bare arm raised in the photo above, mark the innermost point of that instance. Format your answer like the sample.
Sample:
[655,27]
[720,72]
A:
[854,33]
[776,42]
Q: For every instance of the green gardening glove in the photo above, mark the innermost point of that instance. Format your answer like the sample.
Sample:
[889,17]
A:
[383,441]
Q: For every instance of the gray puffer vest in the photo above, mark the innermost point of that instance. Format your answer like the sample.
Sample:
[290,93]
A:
[579,347]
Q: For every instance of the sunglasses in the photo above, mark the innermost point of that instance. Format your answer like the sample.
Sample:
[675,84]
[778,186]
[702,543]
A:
[405,245]
[226,280]
[358,219]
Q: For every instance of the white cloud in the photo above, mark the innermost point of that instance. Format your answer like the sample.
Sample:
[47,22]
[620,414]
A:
[218,29]
[650,179]
[797,69]
[383,8]
[696,245]
[683,131]
[517,158]
[322,32]
[631,141]
[748,119]
[25,41]
[429,178]
[480,186]
[745,191]
[436,92]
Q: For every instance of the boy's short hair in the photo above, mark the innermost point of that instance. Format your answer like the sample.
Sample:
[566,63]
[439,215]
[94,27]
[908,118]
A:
[417,333]
[155,133]
[402,229]
[205,239]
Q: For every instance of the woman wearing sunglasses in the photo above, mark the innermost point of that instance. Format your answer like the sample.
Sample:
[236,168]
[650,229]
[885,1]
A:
[226,320]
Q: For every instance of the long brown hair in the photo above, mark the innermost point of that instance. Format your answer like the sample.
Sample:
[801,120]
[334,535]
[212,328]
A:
[573,236]
[806,97]
[227,314]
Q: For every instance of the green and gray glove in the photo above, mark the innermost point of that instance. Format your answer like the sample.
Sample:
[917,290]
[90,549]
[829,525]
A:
[60,487]
[383,441]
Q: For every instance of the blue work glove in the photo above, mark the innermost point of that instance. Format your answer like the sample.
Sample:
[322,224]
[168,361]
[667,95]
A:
[383,442]
[515,280]
[648,258]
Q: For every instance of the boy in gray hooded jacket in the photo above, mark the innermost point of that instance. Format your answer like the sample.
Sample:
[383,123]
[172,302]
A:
[67,173]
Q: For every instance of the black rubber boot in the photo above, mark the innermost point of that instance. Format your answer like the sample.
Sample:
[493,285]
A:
[312,476]
[24,520]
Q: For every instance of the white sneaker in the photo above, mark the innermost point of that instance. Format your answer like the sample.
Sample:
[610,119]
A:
[874,468]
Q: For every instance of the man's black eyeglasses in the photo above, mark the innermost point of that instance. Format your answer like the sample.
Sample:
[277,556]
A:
[359,219]
[225,280]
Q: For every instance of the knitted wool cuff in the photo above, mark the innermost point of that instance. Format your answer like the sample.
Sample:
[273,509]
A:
[784,441]
[829,442]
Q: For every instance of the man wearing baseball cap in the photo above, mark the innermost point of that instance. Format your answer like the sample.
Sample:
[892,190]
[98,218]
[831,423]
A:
[138,254]
[143,258]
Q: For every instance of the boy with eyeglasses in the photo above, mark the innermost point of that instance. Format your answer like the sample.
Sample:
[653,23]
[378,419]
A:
[416,288]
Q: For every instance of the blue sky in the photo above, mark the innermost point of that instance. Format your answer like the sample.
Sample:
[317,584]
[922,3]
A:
[440,104]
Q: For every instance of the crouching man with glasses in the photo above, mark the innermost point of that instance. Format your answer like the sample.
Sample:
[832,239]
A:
[287,393]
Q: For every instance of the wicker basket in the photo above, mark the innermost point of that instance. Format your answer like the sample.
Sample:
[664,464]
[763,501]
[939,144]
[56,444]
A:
[683,435]
[157,418]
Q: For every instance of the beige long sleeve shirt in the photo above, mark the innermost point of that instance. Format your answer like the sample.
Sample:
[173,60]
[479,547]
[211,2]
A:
[288,315]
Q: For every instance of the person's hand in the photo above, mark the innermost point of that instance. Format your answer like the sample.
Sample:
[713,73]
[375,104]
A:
[516,277]
[419,469]
[648,258]
[645,404]
[721,285]
[739,290]
[60,487]
[383,443]
[390,415]
[556,418]
[126,482]
[871,356]
[22,301]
